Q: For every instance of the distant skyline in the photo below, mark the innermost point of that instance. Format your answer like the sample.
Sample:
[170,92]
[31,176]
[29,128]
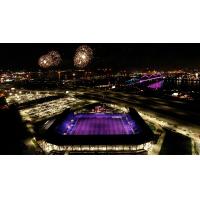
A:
[117,56]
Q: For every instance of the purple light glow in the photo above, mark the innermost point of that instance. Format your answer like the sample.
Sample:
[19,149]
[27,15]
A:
[156,85]
[99,124]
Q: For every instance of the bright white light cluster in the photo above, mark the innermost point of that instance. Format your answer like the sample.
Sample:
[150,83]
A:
[45,110]
[20,97]
[48,147]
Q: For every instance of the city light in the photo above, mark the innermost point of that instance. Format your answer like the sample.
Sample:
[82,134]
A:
[115,94]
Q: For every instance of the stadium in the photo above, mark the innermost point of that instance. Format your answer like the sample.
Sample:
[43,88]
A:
[98,128]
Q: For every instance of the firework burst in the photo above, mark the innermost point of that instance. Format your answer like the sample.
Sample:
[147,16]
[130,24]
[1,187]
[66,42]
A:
[53,58]
[56,58]
[83,56]
[45,61]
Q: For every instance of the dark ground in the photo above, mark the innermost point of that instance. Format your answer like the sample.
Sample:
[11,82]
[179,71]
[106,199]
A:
[176,144]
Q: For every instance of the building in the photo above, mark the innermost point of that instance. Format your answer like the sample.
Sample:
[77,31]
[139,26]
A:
[97,129]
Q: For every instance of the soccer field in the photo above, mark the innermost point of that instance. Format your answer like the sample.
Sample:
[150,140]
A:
[101,124]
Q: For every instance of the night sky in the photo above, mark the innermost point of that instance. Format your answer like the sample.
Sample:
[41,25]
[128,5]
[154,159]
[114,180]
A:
[116,56]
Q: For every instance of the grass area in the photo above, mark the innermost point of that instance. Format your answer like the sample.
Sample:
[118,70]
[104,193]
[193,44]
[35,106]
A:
[176,144]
